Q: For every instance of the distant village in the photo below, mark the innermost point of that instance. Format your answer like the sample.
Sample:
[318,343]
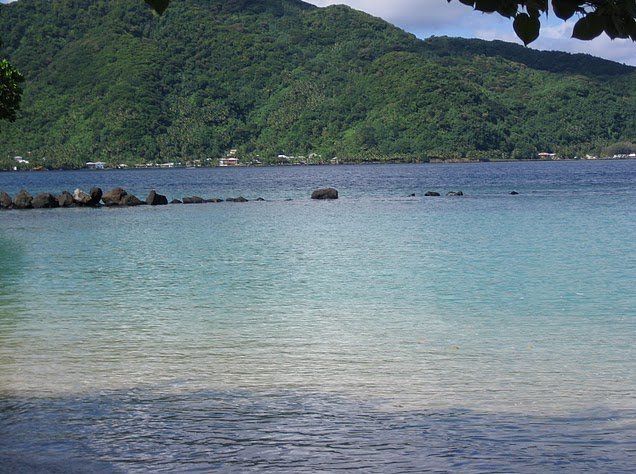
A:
[232,159]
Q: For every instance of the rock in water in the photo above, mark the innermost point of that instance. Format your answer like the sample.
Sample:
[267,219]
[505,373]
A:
[325,193]
[131,200]
[455,193]
[65,199]
[96,196]
[44,201]
[237,199]
[155,199]
[431,194]
[114,197]
[81,198]
[23,200]
[5,201]
[193,200]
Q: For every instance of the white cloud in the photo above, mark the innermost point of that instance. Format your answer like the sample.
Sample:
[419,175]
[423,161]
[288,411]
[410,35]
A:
[425,18]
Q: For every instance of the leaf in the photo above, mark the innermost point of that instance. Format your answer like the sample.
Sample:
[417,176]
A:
[622,24]
[487,6]
[159,5]
[541,5]
[611,29]
[533,11]
[507,8]
[588,27]
[526,27]
[564,9]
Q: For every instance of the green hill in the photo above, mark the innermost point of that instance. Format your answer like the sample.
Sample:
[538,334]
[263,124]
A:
[108,80]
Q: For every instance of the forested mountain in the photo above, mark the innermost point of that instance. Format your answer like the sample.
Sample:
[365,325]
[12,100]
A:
[109,80]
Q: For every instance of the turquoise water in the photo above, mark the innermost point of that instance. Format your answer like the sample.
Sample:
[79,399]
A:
[379,332]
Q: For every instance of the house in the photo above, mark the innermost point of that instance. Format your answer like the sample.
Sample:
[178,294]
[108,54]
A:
[230,160]
[97,165]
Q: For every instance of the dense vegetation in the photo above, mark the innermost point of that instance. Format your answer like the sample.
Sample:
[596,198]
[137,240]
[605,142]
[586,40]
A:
[10,90]
[112,81]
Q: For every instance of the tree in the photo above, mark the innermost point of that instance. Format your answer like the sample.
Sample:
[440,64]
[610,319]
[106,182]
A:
[614,17]
[10,90]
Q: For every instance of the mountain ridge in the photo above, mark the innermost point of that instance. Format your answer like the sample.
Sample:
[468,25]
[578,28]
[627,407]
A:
[110,81]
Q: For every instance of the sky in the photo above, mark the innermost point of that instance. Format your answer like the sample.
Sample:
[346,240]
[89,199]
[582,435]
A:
[426,18]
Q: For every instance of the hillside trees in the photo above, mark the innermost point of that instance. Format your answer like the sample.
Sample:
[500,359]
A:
[10,90]
[616,18]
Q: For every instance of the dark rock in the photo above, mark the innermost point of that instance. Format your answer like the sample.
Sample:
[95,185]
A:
[96,196]
[455,193]
[260,199]
[44,201]
[213,200]
[23,200]
[176,201]
[412,195]
[325,193]
[193,200]
[431,194]
[81,198]
[65,199]
[5,201]
[131,200]
[114,197]
[237,199]
[155,199]
[514,193]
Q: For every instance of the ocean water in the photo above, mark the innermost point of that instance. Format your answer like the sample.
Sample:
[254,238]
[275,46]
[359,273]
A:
[381,332]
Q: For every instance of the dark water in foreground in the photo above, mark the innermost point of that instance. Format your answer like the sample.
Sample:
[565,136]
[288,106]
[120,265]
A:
[377,333]
[147,431]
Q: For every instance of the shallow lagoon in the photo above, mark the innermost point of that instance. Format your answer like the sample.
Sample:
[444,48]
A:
[379,332]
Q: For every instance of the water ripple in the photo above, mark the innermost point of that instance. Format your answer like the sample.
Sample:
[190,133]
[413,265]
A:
[148,430]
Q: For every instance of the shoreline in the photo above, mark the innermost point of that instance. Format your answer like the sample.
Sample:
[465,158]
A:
[300,165]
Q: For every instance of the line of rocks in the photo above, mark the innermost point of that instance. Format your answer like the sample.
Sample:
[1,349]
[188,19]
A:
[96,198]
[117,197]
[436,194]
[120,197]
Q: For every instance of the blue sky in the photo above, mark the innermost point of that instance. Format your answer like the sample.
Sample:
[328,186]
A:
[425,18]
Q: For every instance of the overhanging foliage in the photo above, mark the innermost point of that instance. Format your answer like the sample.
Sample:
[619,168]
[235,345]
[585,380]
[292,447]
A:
[617,18]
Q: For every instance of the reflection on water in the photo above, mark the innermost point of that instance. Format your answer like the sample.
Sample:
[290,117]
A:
[240,431]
